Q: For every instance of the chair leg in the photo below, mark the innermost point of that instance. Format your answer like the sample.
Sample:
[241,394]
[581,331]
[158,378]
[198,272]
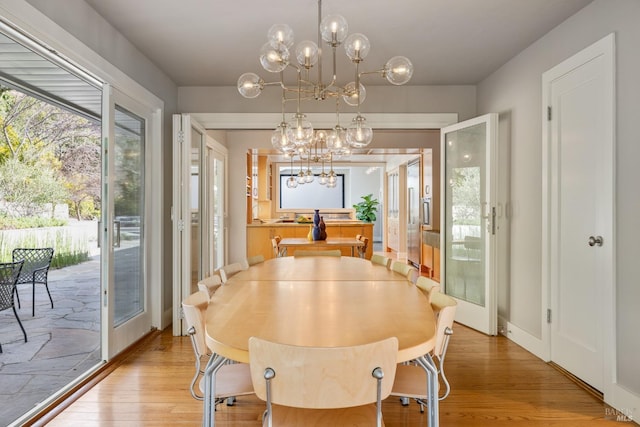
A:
[46,285]
[20,323]
[17,295]
[33,299]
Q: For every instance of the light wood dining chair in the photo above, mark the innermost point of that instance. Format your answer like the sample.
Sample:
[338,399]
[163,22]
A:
[381,260]
[411,380]
[409,271]
[304,252]
[226,271]
[232,379]
[252,260]
[312,386]
[210,284]
[428,286]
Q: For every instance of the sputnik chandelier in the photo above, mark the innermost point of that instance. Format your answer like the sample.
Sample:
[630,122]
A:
[297,136]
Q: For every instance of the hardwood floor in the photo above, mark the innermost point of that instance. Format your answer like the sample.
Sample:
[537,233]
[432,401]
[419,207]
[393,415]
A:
[494,382]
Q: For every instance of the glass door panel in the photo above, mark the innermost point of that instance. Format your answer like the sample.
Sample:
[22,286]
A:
[128,209]
[468,220]
[195,190]
[217,226]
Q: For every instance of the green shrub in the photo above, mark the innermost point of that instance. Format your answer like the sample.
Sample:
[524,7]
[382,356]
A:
[67,249]
[10,223]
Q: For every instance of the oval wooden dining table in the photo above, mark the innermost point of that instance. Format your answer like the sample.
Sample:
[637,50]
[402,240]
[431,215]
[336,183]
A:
[318,302]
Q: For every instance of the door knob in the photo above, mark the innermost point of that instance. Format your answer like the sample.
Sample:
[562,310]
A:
[593,241]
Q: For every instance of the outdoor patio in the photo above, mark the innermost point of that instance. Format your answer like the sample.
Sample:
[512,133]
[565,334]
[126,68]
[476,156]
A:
[63,342]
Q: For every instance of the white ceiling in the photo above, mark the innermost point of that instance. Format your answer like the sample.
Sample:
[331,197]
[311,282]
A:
[211,43]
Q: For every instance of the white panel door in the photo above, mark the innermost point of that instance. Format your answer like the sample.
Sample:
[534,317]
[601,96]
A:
[580,213]
[469,215]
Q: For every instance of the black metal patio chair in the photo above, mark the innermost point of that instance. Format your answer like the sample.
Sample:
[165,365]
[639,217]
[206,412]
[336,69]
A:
[9,272]
[35,270]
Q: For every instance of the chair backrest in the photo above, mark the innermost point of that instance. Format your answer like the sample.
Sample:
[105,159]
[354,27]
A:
[276,248]
[229,270]
[304,252]
[429,286]
[445,308]
[381,260]
[408,271]
[322,377]
[36,260]
[256,259]
[248,262]
[194,308]
[9,272]
[210,284]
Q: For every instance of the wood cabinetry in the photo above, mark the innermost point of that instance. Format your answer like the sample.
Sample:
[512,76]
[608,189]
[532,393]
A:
[259,236]
[431,255]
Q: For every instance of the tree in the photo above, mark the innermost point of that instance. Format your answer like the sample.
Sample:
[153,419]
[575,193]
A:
[33,130]
[63,146]
[28,187]
[80,167]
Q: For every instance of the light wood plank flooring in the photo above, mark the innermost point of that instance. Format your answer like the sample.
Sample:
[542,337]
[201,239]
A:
[494,382]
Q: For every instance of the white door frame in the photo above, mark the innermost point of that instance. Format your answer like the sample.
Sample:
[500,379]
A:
[116,339]
[181,209]
[613,394]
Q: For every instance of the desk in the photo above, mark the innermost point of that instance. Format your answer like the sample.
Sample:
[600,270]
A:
[329,243]
[319,311]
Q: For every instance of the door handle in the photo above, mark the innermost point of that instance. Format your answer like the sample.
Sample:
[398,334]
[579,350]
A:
[595,241]
[116,240]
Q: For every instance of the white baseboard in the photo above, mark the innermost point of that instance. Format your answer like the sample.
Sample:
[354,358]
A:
[626,404]
[527,341]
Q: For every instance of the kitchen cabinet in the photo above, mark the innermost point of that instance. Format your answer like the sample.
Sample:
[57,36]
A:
[431,254]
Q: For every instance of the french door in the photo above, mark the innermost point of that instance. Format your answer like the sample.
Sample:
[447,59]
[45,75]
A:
[199,209]
[126,309]
[469,215]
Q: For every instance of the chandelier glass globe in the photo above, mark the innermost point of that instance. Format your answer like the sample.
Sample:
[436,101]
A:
[334,29]
[250,85]
[398,70]
[300,130]
[353,97]
[357,47]
[274,59]
[280,34]
[359,134]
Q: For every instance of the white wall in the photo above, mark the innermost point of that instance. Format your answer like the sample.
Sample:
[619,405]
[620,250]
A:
[515,92]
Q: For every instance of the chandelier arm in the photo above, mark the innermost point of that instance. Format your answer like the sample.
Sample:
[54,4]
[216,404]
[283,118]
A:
[380,71]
